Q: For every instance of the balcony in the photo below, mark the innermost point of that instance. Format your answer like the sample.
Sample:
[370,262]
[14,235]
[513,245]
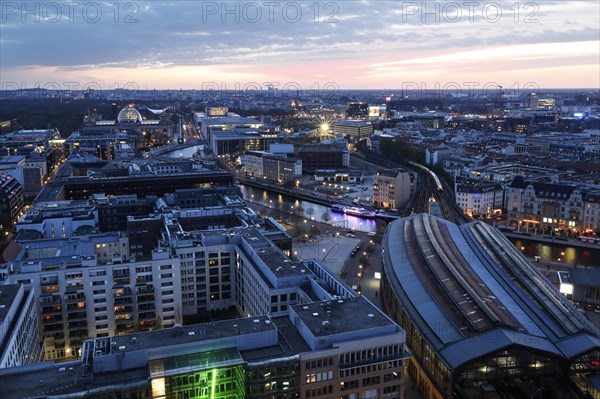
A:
[49,282]
[123,309]
[51,310]
[121,281]
[77,316]
[125,328]
[147,316]
[122,300]
[50,299]
[145,289]
[145,298]
[143,279]
[77,336]
[73,297]
[52,327]
[77,325]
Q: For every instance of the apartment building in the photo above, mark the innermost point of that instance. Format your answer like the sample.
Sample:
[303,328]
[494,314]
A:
[478,198]
[545,206]
[20,342]
[392,188]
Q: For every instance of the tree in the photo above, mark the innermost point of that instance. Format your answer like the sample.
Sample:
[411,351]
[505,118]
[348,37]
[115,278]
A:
[326,216]
[314,231]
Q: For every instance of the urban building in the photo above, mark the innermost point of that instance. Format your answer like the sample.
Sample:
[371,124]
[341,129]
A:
[585,287]
[59,219]
[280,168]
[392,188]
[11,202]
[252,162]
[169,265]
[339,176]
[144,180]
[575,151]
[478,198]
[113,211]
[354,130]
[210,125]
[337,348]
[23,142]
[479,317]
[357,110]
[544,206]
[323,156]
[129,126]
[20,342]
[103,142]
[591,212]
[507,172]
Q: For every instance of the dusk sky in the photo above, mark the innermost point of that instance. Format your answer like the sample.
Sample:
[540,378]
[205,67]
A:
[364,44]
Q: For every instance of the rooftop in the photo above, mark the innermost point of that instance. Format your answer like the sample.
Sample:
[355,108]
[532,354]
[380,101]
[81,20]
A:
[341,316]
[8,293]
[460,283]
[189,334]
[279,264]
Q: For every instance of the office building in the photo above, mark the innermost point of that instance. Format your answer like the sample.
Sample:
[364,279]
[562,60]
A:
[211,125]
[357,110]
[59,219]
[173,263]
[340,348]
[354,130]
[145,180]
[11,202]
[323,156]
[480,318]
[392,188]
[279,168]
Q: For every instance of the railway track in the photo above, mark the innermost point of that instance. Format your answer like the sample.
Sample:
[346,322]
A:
[429,185]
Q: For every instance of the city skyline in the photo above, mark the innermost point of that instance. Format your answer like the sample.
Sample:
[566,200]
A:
[345,45]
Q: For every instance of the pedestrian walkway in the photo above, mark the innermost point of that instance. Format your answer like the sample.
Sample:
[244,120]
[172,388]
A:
[410,389]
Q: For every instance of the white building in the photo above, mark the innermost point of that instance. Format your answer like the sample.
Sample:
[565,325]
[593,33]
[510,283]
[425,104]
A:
[477,198]
[20,342]
[591,212]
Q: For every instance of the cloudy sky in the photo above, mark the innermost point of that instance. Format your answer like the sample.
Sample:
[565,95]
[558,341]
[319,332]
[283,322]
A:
[352,44]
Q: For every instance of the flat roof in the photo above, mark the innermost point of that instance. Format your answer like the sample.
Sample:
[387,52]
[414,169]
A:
[190,334]
[341,316]
[8,293]
[279,264]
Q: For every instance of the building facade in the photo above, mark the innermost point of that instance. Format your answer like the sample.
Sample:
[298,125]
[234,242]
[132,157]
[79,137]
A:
[392,188]
[253,357]
[11,202]
[20,342]
[477,198]
[545,206]
[356,130]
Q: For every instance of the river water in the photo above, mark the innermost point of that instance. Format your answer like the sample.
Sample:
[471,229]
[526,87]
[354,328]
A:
[555,252]
[310,210]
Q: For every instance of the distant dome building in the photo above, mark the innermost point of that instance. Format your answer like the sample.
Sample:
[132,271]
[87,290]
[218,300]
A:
[129,115]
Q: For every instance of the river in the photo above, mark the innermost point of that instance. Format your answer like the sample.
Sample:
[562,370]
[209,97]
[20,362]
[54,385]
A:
[309,210]
[555,252]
